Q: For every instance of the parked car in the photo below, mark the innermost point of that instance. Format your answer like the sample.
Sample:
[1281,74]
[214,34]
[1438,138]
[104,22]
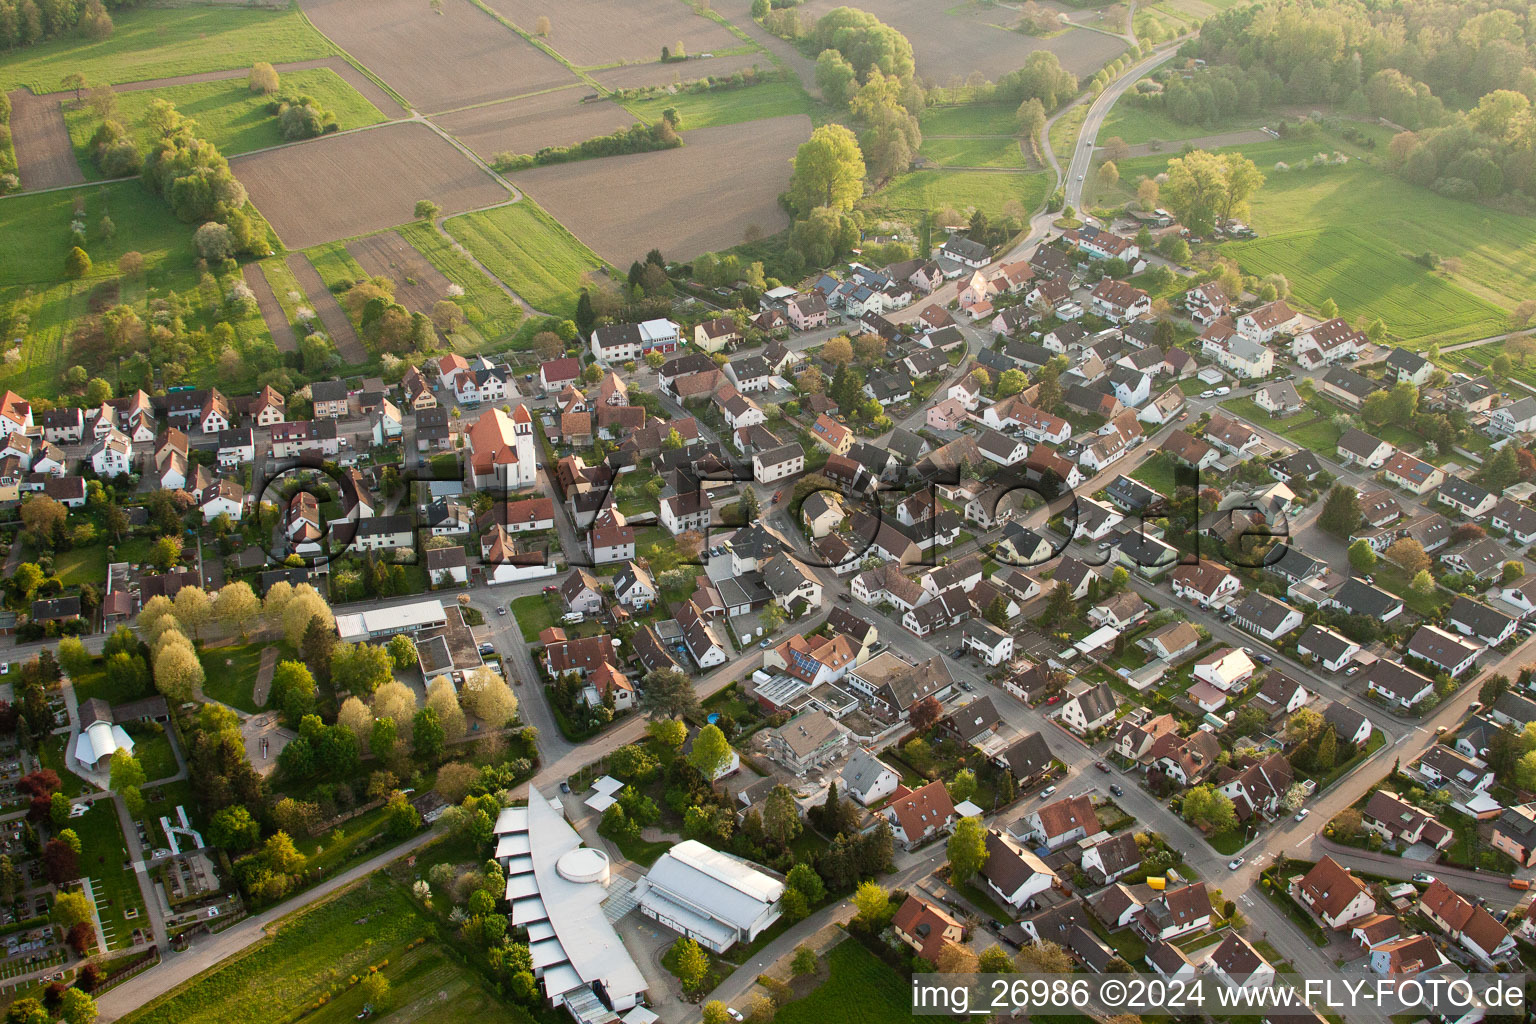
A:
[565,787]
[1048,791]
[1054,698]
[1223,391]
[735,1013]
[1301,815]
[502,610]
[767,643]
[1234,863]
[1207,394]
[1101,766]
[1114,787]
[1423,878]
[1265,659]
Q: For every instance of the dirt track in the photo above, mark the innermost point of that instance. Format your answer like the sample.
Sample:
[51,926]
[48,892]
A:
[44,156]
[391,256]
[329,310]
[266,300]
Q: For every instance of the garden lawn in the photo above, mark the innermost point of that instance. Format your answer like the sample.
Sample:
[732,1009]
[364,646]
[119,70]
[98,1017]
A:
[969,119]
[230,674]
[312,955]
[535,613]
[725,106]
[983,190]
[859,989]
[93,682]
[81,565]
[163,42]
[330,850]
[530,251]
[227,113]
[1158,473]
[153,749]
[996,151]
[51,753]
[104,861]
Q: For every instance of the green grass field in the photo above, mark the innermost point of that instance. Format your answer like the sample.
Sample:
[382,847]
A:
[313,954]
[164,42]
[859,988]
[36,230]
[927,190]
[230,673]
[103,860]
[227,113]
[498,315]
[1136,124]
[153,749]
[969,119]
[1347,232]
[994,151]
[1368,279]
[530,251]
[725,106]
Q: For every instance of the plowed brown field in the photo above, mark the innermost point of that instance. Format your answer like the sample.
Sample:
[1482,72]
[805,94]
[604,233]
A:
[418,284]
[438,61]
[528,125]
[360,182]
[591,32]
[684,201]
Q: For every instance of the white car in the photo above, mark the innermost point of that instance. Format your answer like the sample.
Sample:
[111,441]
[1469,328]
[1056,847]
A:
[1235,863]
[1223,391]
[1207,394]
[735,1013]
[1301,815]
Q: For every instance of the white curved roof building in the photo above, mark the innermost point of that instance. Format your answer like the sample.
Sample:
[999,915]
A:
[99,737]
[557,888]
[709,896]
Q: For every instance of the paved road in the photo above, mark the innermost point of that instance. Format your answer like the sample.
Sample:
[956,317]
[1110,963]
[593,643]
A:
[1082,159]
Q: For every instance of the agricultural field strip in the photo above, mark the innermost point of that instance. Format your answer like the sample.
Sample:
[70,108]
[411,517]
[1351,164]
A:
[335,321]
[272,312]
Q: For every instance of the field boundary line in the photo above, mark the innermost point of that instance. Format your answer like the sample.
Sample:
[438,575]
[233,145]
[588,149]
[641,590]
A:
[504,99]
[361,67]
[549,51]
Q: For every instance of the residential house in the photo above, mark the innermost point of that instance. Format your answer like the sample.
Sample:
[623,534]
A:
[926,927]
[1326,647]
[1337,897]
[1264,616]
[1411,474]
[921,814]
[1397,684]
[1090,710]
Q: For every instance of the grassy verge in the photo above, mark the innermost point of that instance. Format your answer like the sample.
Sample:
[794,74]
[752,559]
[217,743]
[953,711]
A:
[530,251]
[535,613]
